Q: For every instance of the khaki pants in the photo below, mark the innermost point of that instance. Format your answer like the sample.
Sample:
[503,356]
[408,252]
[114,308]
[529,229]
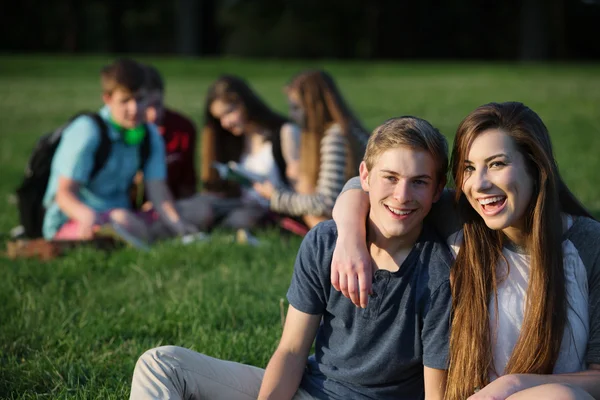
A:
[171,372]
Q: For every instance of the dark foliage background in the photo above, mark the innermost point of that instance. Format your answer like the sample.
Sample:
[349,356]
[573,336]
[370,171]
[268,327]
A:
[364,29]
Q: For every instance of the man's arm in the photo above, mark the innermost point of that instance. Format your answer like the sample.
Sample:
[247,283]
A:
[72,163]
[307,296]
[351,271]
[159,195]
[157,191]
[284,371]
[68,200]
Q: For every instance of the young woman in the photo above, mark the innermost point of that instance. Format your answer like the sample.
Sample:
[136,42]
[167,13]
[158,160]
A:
[240,127]
[332,145]
[526,280]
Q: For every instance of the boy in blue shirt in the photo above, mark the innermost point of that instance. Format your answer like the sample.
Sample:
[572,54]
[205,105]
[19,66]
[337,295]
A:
[77,205]
[396,347]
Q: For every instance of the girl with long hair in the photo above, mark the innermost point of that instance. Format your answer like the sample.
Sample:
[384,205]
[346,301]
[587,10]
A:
[240,127]
[526,279]
[332,145]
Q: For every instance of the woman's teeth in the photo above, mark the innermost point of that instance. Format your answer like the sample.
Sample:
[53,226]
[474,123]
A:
[490,200]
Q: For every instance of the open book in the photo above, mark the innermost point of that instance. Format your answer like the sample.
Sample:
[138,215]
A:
[234,172]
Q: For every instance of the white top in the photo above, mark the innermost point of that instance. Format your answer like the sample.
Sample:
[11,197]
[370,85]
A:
[262,163]
[505,326]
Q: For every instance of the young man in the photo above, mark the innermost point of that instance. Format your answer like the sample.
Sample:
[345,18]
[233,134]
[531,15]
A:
[397,347]
[178,133]
[76,204]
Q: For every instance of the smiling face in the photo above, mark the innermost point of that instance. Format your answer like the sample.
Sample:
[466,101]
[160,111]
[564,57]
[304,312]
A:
[497,182]
[402,187]
[231,115]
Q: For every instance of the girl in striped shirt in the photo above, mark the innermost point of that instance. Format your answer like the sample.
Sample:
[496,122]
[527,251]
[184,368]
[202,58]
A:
[331,146]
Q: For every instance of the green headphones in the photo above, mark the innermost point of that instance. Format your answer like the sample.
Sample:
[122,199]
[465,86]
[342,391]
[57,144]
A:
[131,137]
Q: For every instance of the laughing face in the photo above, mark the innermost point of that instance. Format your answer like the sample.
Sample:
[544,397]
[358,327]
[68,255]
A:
[402,187]
[497,183]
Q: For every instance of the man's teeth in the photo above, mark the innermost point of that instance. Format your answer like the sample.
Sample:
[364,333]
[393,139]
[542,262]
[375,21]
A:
[399,212]
[490,200]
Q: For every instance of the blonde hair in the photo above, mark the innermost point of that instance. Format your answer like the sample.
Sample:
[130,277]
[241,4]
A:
[408,131]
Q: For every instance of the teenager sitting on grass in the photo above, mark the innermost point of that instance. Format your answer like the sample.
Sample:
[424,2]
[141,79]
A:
[526,280]
[179,135]
[396,348]
[332,144]
[240,127]
[77,206]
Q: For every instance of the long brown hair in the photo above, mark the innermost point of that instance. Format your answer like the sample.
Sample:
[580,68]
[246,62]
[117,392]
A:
[323,105]
[473,276]
[220,145]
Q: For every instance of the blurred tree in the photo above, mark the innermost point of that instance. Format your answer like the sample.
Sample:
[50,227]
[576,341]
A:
[187,26]
[372,29]
[74,17]
[534,37]
[116,32]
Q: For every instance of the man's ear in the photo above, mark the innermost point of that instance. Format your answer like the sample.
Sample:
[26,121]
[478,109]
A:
[364,176]
[440,189]
[106,98]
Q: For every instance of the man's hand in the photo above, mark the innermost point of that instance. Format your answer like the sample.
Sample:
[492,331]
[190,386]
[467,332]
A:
[88,225]
[351,271]
[265,189]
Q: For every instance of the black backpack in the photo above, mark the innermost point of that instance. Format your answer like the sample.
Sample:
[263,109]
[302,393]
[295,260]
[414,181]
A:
[30,193]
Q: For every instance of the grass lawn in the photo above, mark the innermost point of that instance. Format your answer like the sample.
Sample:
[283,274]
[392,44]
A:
[73,328]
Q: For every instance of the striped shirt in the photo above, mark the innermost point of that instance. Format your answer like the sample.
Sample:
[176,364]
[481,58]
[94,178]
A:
[358,139]
[332,176]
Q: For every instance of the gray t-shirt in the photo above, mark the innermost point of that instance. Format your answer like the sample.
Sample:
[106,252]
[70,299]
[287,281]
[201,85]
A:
[377,352]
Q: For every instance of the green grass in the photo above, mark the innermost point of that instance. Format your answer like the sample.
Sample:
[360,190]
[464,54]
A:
[74,327]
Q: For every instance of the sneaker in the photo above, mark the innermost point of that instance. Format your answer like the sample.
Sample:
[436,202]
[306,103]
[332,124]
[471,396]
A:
[17,232]
[119,233]
[194,237]
[243,236]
